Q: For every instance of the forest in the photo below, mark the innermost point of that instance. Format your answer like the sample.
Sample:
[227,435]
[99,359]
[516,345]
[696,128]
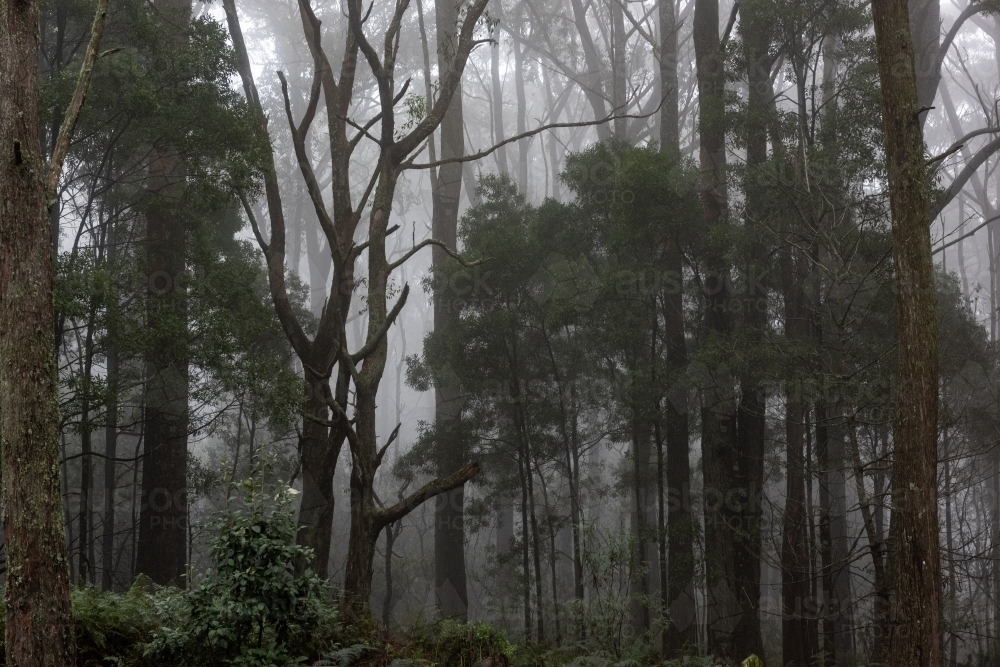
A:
[500,333]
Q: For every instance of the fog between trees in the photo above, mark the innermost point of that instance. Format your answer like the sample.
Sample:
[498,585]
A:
[593,321]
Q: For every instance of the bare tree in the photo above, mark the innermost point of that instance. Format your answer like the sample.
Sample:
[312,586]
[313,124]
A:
[362,369]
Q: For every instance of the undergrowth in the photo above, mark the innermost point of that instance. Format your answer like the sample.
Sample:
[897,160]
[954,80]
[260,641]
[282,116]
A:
[258,608]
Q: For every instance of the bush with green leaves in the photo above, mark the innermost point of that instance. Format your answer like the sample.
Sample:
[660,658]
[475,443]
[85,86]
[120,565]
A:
[462,644]
[111,629]
[606,614]
[257,608]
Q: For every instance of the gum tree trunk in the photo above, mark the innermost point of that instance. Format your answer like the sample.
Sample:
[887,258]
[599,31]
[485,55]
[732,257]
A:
[449,532]
[162,547]
[718,406]
[38,623]
[914,636]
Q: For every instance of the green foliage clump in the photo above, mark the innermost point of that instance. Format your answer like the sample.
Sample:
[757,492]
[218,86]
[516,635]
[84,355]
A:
[463,644]
[257,608]
[112,629]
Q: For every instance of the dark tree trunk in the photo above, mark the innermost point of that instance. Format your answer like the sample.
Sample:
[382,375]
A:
[681,524]
[523,145]
[110,443]
[535,550]
[449,532]
[718,408]
[914,636]
[795,570]
[797,618]
[925,27]
[641,566]
[319,443]
[669,120]
[320,448]
[753,400]
[831,436]
[677,554]
[835,537]
[553,557]
[85,560]
[592,79]
[575,508]
[526,568]
[496,93]
[162,548]
[39,629]
[619,71]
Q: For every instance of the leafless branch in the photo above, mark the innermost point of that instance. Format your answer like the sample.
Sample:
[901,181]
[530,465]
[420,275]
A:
[369,347]
[426,492]
[958,145]
[253,220]
[409,164]
[312,185]
[79,96]
[967,234]
[963,177]
[434,242]
[385,447]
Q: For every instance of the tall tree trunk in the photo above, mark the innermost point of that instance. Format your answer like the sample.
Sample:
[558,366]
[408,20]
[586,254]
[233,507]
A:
[319,444]
[85,569]
[523,145]
[795,564]
[39,627]
[553,555]
[535,550]
[833,457]
[496,94]
[832,452]
[162,548]
[449,533]
[592,83]
[718,409]
[641,564]
[952,638]
[925,28]
[798,622]
[916,568]
[752,425]
[681,524]
[110,429]
[619,71]
[525,567]
[677,556]
[575,506]
[669,120]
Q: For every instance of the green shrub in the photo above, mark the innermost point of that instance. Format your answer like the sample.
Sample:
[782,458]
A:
[256,609]
[113,629]
[462,644]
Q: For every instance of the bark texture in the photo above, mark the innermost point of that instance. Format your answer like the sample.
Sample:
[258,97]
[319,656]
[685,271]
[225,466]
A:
[38,625]
[914,636]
